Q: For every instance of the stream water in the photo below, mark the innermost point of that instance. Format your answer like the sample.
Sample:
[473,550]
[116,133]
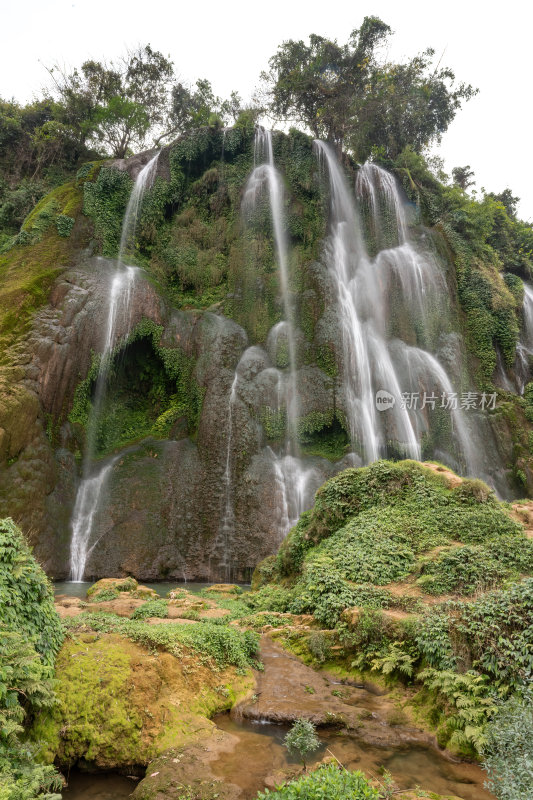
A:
[97,786]
[94,479]
[261,749]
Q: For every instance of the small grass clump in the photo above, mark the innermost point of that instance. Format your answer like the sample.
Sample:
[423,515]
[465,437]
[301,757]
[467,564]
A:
[152,608]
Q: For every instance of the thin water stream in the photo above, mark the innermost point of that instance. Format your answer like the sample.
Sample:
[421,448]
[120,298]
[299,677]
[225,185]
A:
[259,756]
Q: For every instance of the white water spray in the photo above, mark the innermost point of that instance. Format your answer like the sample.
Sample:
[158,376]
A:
[93,482]
[366,290]
[524,348]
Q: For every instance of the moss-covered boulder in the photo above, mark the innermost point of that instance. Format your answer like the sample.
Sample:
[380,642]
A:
[225,589]
[113,588]
[120,705]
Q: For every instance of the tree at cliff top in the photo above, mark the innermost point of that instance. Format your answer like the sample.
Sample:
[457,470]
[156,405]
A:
[342,94]
[116,104]
[191,109]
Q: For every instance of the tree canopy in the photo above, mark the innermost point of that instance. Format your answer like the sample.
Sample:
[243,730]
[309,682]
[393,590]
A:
[343,94]
[115,104]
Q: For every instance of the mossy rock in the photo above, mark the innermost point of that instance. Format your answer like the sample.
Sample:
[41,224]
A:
[121,706]
[109,588]
[224,588]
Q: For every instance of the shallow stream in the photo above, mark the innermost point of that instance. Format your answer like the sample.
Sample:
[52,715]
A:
[261,748]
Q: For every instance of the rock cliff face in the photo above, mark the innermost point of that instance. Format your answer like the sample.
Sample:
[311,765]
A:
[203,481]
[164,503]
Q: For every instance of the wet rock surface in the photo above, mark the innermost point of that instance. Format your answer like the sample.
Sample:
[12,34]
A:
[288,690]
[161,514]
[245,754]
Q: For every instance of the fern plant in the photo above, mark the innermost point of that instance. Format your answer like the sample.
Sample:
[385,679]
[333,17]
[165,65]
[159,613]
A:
[471,703]
[396,659]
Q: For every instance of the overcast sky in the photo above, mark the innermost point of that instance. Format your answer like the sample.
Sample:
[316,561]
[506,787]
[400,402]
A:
[230,43]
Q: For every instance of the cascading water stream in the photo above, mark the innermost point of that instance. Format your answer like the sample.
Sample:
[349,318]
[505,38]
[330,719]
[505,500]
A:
[266,173]
[528,317]
[361,321]
[524,349]
[296,481]
[93,483]
[365,291]
[227,527]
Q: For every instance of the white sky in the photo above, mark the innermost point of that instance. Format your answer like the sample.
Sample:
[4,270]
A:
[230,41]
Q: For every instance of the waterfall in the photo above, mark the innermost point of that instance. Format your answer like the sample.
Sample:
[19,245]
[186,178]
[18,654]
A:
[368,293]
[527,338]
[524,348]
[296,482]
[360,308]
[227,527]
[93,483]
[265,173]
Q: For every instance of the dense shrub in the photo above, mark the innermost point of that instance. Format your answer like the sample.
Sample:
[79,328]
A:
[152,608]
[493,634]
[30,637]
[26,595]
[373,520]
[326,783]
[508,752]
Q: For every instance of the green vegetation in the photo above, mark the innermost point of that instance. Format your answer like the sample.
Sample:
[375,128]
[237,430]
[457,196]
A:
[508,753]
[154,392]
[105,200]
[401,507]
[326,783]
[152,608]
[367,562]
[492,633]
[30,637]
[26,595]
[301,739]
[217,645]
[346,96]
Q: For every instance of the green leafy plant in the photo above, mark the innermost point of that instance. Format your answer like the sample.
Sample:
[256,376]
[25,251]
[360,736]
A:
[64,225]
[30,636]
[26,595]
[220,645]
[319,644]
[508,749]
[302,739]
[471,701]
[152,608]
[328,782]
[396,659]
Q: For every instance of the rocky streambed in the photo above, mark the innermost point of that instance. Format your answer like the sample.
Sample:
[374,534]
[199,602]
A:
[190,726]
[361,727]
